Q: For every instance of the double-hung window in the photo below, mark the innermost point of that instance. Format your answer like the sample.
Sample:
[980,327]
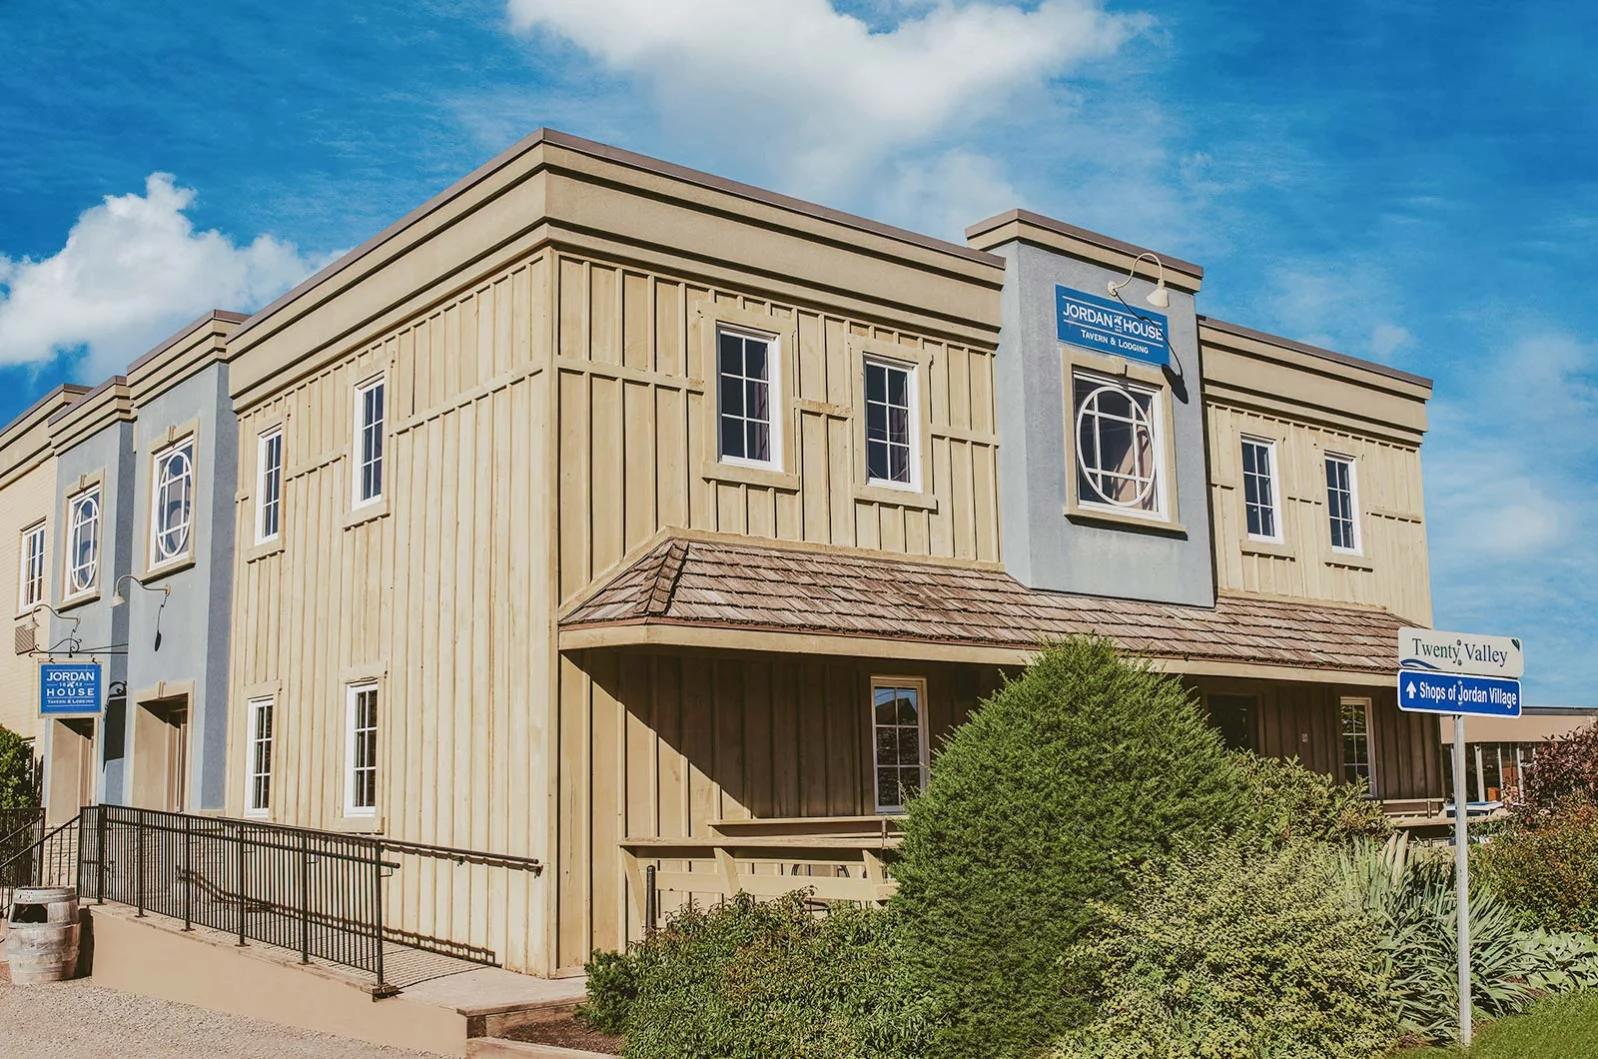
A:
[747,393]
[31,580]
[360,771]
[1356,741]
[1119,450]
[172,503]
[369,413]
[83,543]
[891,435]
[898,742]
[1342,503]
[1260,491]
[258,761]
[269,485]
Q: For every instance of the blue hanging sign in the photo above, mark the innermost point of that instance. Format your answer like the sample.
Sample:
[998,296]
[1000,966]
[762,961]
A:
[1112,327]
[69,688]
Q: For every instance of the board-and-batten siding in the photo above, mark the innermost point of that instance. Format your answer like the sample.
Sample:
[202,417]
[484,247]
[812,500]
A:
[632,438]
[444,598]
[558,380]
[661,745]
[1392,572]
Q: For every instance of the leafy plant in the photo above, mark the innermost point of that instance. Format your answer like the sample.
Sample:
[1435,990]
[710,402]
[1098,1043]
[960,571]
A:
[1564,770]
[1294,803]
[1547,865]
[750,980]
[1238,951]
[1062,784]
[1412,900]
[19,787]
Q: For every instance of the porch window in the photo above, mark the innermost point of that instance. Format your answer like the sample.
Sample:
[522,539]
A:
[1259,490]
[1342,503]
[369,418]
[258,770]
[360,790]
[83,543]
[32,573]
[898,741]
[1356,742]
[746,374]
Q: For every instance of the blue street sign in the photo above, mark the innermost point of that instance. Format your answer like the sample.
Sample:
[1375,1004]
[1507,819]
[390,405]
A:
[1111,327]
[1421,692]
[69,687]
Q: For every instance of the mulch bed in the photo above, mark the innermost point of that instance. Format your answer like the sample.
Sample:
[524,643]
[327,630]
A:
[566,1033]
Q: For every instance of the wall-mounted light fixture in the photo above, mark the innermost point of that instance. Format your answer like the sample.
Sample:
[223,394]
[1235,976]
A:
[118,599]
[1158,297]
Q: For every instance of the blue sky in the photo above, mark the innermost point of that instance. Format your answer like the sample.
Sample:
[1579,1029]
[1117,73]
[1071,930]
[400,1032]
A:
[1411,182]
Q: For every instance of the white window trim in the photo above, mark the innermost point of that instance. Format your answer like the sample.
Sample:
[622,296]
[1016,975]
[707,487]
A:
[361,390]
[885,681]
[1369,736]
[1269,444]
[351,696]
[1157,426]
[158,560]
[913,422]
[25,567]
[262,441]
[67,591]
[774,398]
[1353,503]
[252,734]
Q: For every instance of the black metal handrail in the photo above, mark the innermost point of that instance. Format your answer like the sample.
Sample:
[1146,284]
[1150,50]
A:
[316,892]
[49,859]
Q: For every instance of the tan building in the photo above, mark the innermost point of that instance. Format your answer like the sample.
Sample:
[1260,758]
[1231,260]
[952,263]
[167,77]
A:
[27,502]
[657,526]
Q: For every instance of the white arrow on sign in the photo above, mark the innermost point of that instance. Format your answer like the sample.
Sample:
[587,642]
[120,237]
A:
[1466,653]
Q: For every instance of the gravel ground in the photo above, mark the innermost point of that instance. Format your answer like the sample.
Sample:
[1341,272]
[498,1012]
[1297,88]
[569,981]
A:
[79,1020]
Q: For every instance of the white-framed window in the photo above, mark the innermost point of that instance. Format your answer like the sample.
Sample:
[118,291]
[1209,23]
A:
[369,418]
[1355,725]
[258,757]
[269,485]
[360,771]
[1119,448]
[83,543]
[898,740]
[748,392]
[891,420]
[172,503]
[1260,507]
[1342,503]
[30,579]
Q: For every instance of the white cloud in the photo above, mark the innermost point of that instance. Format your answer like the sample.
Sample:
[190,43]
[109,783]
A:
[945,194]
[813,95]
[132,271]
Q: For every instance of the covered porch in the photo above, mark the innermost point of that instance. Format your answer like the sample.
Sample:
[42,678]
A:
[738,717]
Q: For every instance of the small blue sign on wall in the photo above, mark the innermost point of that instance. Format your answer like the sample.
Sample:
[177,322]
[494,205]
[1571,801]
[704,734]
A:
[1111,327]
[69,687]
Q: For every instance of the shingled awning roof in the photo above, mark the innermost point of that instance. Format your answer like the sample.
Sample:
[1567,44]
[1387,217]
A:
[729,593]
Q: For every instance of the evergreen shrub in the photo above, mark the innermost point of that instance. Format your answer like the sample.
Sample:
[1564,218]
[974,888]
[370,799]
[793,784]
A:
[1238,951]
[1294,803]
[1058,788]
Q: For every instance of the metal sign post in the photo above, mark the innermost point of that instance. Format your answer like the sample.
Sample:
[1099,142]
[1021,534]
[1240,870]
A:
[1460,673]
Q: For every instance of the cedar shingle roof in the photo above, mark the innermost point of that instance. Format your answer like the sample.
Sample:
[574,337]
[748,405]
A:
[737,585]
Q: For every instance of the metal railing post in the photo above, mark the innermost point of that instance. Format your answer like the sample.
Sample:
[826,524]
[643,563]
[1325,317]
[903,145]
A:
[305,898]
[238,836]
[650,912]
[188,874]
[377,910]
[138,858]
[99,853]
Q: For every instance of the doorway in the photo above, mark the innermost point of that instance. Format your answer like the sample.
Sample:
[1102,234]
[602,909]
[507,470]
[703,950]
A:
[161,755]
[1234,716]
[72,772]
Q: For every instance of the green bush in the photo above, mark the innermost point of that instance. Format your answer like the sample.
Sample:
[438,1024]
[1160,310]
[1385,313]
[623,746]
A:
[1564,770]
[1294,803]
[1412,901]
[18,776]
[1069,778]
[1548,866]
[1238,951]
[753,980]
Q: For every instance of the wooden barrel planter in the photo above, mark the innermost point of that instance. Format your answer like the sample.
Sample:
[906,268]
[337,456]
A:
[42,937]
